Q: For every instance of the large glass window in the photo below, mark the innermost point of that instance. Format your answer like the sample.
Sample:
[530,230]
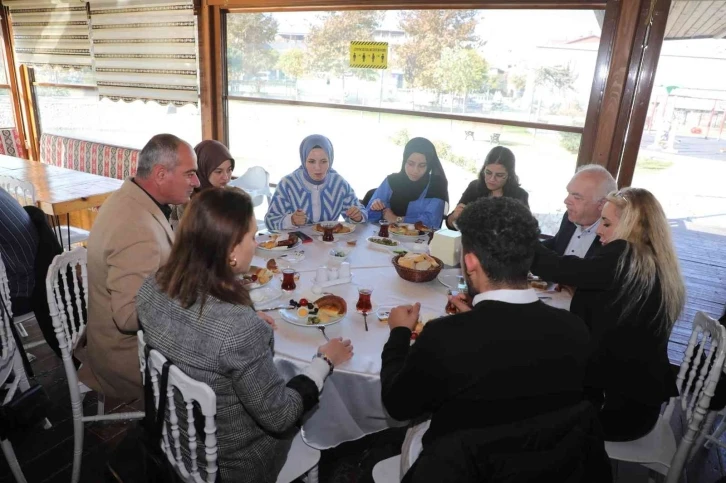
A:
[289,75]
[682,157]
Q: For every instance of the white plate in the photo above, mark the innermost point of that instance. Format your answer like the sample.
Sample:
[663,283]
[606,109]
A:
[352,227]
[264,296]
[257,285]
[264,238]
[449,279]
[384,247]
[406,237]
[290,315]
[293,257]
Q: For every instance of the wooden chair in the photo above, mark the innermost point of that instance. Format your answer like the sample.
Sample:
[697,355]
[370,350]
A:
[67,299]
[11,367]
[24,192]
[301,458]
[658,450]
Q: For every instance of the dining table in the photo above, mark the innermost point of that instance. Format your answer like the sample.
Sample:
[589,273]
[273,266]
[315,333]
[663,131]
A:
[350,405]
[60,191]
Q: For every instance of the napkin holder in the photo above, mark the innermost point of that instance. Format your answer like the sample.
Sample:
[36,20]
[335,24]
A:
[446,245]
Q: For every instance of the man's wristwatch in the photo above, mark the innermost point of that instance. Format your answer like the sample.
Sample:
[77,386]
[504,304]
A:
[399,219]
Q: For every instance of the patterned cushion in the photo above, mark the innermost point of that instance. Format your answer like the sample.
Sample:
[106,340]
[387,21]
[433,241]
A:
[10,142]
[95,158]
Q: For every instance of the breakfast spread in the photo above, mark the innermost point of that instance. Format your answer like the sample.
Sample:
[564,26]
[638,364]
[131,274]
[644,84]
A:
[338,229]
[386,242]
[272,266]
[256,277]
[418,261]
[324,310]
[415,229]
[276,242]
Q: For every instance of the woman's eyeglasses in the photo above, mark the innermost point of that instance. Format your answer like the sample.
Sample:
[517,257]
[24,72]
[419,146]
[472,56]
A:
[497,176]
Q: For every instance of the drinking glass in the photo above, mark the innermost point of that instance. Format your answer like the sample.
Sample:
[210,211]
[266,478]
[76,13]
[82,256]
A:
[288,280]
[383,232]
[364,305]
[328,233]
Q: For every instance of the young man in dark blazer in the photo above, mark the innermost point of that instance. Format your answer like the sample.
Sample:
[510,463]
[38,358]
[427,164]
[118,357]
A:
[586,194]
[503,375]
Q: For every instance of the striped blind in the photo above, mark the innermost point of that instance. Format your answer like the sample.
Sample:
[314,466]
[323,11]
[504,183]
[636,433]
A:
[50,32]
[145,49]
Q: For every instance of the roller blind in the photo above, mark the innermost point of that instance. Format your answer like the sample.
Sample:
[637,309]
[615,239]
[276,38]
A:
[48,32]
[145,50]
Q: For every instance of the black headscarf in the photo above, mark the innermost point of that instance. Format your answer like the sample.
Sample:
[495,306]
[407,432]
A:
[405,190]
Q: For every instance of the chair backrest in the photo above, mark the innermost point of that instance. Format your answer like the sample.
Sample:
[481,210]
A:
[697,380]
[67,289]
[23,191]
[191,391]
[7,343]
[696,383]
[256,180]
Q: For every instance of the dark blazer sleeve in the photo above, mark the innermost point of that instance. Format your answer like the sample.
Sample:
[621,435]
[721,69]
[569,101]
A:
[408,375]
[551,244]
[592,273]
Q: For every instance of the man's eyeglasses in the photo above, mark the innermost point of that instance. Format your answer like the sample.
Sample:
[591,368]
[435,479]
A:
[497,176]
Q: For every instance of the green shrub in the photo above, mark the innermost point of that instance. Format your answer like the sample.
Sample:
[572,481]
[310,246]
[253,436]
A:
[570,141]
[401,137]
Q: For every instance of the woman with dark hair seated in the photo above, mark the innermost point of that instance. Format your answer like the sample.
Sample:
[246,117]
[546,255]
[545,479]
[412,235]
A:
[215,166]
[197,312]
[418,192]
[496,178]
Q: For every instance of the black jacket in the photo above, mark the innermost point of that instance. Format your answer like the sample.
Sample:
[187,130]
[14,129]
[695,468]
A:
[559,242]
[629,355]
[498,364]
[48,248]
[563,446]
[475,190]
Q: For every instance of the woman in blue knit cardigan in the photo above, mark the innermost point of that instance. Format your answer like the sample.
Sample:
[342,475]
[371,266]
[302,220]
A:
[314,192]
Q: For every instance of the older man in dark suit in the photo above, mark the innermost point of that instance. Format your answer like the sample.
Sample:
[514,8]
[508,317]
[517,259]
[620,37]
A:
[586,194]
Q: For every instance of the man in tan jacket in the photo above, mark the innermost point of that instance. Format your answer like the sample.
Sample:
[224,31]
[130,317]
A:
[131,239]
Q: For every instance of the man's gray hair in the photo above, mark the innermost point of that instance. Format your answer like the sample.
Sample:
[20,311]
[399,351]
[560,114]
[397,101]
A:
[161,149]
[606,182]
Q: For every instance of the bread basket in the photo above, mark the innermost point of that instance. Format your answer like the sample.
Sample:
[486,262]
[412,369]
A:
[416,276]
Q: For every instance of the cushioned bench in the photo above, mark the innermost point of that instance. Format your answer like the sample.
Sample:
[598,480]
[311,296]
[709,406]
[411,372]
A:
[90,157]
[10,142]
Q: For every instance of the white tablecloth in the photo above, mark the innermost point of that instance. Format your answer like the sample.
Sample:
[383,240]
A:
[350,404]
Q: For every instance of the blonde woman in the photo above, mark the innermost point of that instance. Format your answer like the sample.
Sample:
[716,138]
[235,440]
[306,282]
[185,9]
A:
[630,294]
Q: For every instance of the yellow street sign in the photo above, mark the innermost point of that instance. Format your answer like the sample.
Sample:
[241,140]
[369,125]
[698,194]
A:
[369,55]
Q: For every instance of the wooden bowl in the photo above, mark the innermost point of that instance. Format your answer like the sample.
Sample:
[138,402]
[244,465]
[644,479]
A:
[416,276]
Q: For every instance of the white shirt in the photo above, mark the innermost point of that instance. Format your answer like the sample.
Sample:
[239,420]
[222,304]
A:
[582,240]
[314,189]
[510,296]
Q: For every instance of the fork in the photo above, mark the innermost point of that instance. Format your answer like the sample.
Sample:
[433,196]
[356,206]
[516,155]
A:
[322,329]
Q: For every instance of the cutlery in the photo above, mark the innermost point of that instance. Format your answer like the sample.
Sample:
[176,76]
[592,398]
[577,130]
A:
[365,320]
[322,329]
[279,307]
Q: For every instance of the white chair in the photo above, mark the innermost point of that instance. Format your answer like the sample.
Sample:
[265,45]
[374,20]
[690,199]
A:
[256,182]
[10,365]
[24,192]
[301,458]
[69,328]
[392,470]
[657,450]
